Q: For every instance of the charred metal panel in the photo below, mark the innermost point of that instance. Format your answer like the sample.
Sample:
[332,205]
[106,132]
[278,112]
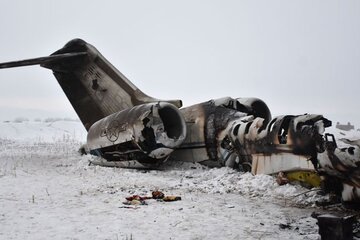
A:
[207,125]
[217,120]
[193,148]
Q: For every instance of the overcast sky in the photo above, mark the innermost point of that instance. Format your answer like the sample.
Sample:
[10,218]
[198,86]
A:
[298,56]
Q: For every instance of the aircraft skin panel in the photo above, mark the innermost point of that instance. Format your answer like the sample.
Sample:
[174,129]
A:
[111,97]
[86,108]
[99,91]
[90,94]
[281,162]
[206,123]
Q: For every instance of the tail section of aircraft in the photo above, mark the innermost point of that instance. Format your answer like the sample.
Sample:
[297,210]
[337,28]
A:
[94,87]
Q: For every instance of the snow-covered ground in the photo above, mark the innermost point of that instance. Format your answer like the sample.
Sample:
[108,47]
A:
[48,191]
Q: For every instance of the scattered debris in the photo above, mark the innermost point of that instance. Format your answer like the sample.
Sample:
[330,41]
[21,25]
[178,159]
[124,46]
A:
[157,195]
[129,207]
[306,179]
[140,200]
[137,197]
[284,226]
[136,200]
[171,198]
[281,179]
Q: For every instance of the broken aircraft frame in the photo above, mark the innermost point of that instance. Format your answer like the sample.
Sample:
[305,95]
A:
[127,128]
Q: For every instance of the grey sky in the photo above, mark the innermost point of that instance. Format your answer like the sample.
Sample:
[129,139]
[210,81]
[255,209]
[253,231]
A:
[298,56]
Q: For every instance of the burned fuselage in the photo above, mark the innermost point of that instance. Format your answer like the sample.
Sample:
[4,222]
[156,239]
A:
[127,128]
[240,132]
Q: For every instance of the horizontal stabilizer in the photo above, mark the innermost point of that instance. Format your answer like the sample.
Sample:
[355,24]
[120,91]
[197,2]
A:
[42,60]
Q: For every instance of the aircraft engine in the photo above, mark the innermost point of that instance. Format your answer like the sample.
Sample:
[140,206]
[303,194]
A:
[141,136]
[255,107]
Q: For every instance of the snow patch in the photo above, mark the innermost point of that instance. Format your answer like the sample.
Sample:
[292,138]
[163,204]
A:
[47,190]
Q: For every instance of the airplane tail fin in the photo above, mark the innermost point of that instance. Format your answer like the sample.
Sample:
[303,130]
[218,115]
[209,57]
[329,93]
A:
[94,87]
[42,60]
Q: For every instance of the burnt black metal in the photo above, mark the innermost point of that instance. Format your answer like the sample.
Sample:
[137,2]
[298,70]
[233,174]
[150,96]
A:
[332,227]
[217,119]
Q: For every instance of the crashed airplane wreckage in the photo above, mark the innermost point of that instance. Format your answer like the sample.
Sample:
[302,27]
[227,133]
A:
[127,128]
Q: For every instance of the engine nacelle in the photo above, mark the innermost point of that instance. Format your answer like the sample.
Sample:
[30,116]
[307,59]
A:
[144,134]
[255,107]
[251,106]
